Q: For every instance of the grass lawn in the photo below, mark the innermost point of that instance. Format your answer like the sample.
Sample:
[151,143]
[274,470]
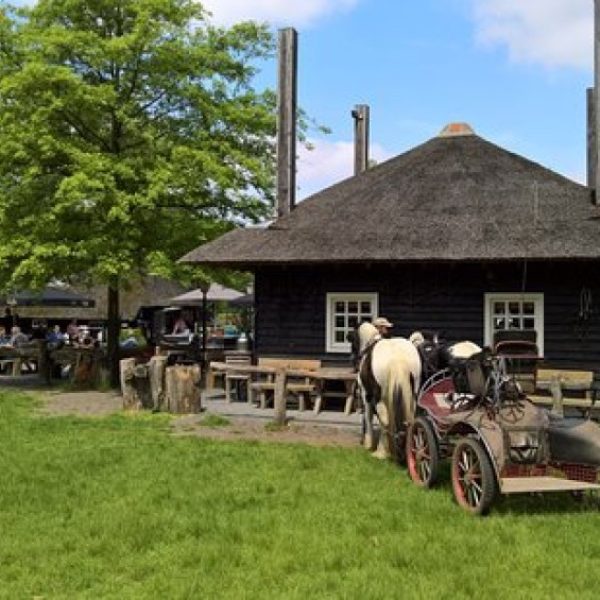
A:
[117,508]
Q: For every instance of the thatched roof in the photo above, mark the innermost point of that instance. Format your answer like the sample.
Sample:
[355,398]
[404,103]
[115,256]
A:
[455,197]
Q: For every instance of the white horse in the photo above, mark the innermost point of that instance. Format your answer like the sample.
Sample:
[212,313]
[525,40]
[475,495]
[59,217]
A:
[389,375]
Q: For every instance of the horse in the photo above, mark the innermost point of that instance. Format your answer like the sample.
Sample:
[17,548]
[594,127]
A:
[436,354]
[389,374]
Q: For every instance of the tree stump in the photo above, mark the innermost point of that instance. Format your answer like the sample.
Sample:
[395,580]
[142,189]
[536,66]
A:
[130,397]
[156,374]
[135,385]
[182,390]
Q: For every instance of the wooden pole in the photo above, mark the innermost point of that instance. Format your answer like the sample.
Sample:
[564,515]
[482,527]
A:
[596,154]
[592,150]
[361,115]
[279,400]
[286,120]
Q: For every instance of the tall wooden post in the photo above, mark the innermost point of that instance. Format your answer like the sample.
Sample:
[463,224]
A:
[286,120]
[596,95]
[361,116]
[279,399]
[592,149]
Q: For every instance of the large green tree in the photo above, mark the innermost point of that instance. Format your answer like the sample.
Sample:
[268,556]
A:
[130,132]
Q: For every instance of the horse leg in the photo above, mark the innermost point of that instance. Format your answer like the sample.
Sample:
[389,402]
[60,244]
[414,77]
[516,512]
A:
[367,421]
[383,443]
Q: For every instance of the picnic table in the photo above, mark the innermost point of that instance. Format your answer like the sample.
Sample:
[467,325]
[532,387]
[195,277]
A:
[321,376]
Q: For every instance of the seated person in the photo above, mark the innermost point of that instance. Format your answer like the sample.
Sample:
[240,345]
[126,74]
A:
[18,338]
[180,327]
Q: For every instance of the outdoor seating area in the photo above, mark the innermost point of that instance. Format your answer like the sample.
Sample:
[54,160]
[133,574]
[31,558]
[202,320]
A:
[305,383]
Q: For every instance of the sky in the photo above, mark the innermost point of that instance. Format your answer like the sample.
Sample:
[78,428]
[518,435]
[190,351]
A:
[515,70]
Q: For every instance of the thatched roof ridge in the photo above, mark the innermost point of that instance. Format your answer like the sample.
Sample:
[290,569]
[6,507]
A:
[451,198]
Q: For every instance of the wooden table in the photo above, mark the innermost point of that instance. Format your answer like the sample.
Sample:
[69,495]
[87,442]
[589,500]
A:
[326,374]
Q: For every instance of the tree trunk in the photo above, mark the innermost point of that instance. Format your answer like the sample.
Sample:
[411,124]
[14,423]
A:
[113,331]
[181,387]
[156,373]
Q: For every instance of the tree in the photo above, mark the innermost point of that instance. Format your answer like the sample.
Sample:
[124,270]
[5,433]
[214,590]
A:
[130,132]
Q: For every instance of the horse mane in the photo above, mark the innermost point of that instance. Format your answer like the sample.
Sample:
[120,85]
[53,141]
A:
[366,332]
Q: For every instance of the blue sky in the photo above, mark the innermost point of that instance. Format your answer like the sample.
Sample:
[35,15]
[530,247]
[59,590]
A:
[516,70]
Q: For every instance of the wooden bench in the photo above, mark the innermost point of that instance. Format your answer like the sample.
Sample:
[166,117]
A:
[237,378]
[300,384]
[560,382]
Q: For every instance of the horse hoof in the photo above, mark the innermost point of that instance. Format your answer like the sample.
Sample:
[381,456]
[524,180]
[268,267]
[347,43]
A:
[368,443]
[382,413]
[381,454]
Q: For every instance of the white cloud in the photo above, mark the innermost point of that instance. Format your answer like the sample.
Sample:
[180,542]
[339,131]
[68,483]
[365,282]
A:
[554,33]
[329,162]
[280,12]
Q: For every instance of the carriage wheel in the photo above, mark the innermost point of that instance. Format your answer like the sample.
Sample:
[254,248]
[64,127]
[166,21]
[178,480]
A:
[473,479]
[422,453]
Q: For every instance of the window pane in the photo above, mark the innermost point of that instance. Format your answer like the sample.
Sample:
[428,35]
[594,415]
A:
[514,308]
[365,308]
[340,336]
[499,324]
[528,323]
[528,308]
[340,307]
[498,308]
[353,307]
[352,322]
[514,323]
[340,321]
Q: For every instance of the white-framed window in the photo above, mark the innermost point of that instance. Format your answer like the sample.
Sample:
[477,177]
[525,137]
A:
[514,312]
[344,312]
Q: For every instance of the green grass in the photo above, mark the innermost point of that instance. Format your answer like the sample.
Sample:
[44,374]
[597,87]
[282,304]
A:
[214,421]
[117,508]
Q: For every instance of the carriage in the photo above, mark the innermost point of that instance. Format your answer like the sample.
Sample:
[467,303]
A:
[497,440]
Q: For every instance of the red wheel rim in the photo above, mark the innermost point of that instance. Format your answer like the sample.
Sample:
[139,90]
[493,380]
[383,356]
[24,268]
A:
[419,455]
[467,477]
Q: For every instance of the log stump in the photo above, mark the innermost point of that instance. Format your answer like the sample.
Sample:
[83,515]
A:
[182,390]
[156,373]
[135,385]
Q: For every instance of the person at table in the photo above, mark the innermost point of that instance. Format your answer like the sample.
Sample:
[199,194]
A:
[73,331]
[181,327]
[18,338]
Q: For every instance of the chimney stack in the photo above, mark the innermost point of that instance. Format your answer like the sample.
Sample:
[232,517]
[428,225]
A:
[592,158]
[594,155]
[361,116]
[286,120]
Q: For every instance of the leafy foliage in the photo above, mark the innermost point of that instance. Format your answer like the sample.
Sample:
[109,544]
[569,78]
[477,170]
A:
[130,132]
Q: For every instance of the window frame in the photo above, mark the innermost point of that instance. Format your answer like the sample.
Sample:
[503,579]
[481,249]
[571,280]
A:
[331,346]
[538,313]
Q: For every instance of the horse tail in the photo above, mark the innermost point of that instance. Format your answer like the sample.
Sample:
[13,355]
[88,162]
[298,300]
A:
[400,405]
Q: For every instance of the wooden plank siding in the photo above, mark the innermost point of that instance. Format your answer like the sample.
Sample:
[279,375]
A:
[291,303]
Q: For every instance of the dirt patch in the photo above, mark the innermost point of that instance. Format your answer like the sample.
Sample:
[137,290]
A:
[248,428]
[98,404]
[86,404]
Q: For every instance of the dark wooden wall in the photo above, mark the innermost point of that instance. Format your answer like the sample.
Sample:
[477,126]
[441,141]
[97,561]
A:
[290,303]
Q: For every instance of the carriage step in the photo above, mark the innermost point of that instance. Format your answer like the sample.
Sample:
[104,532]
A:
[518,485]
